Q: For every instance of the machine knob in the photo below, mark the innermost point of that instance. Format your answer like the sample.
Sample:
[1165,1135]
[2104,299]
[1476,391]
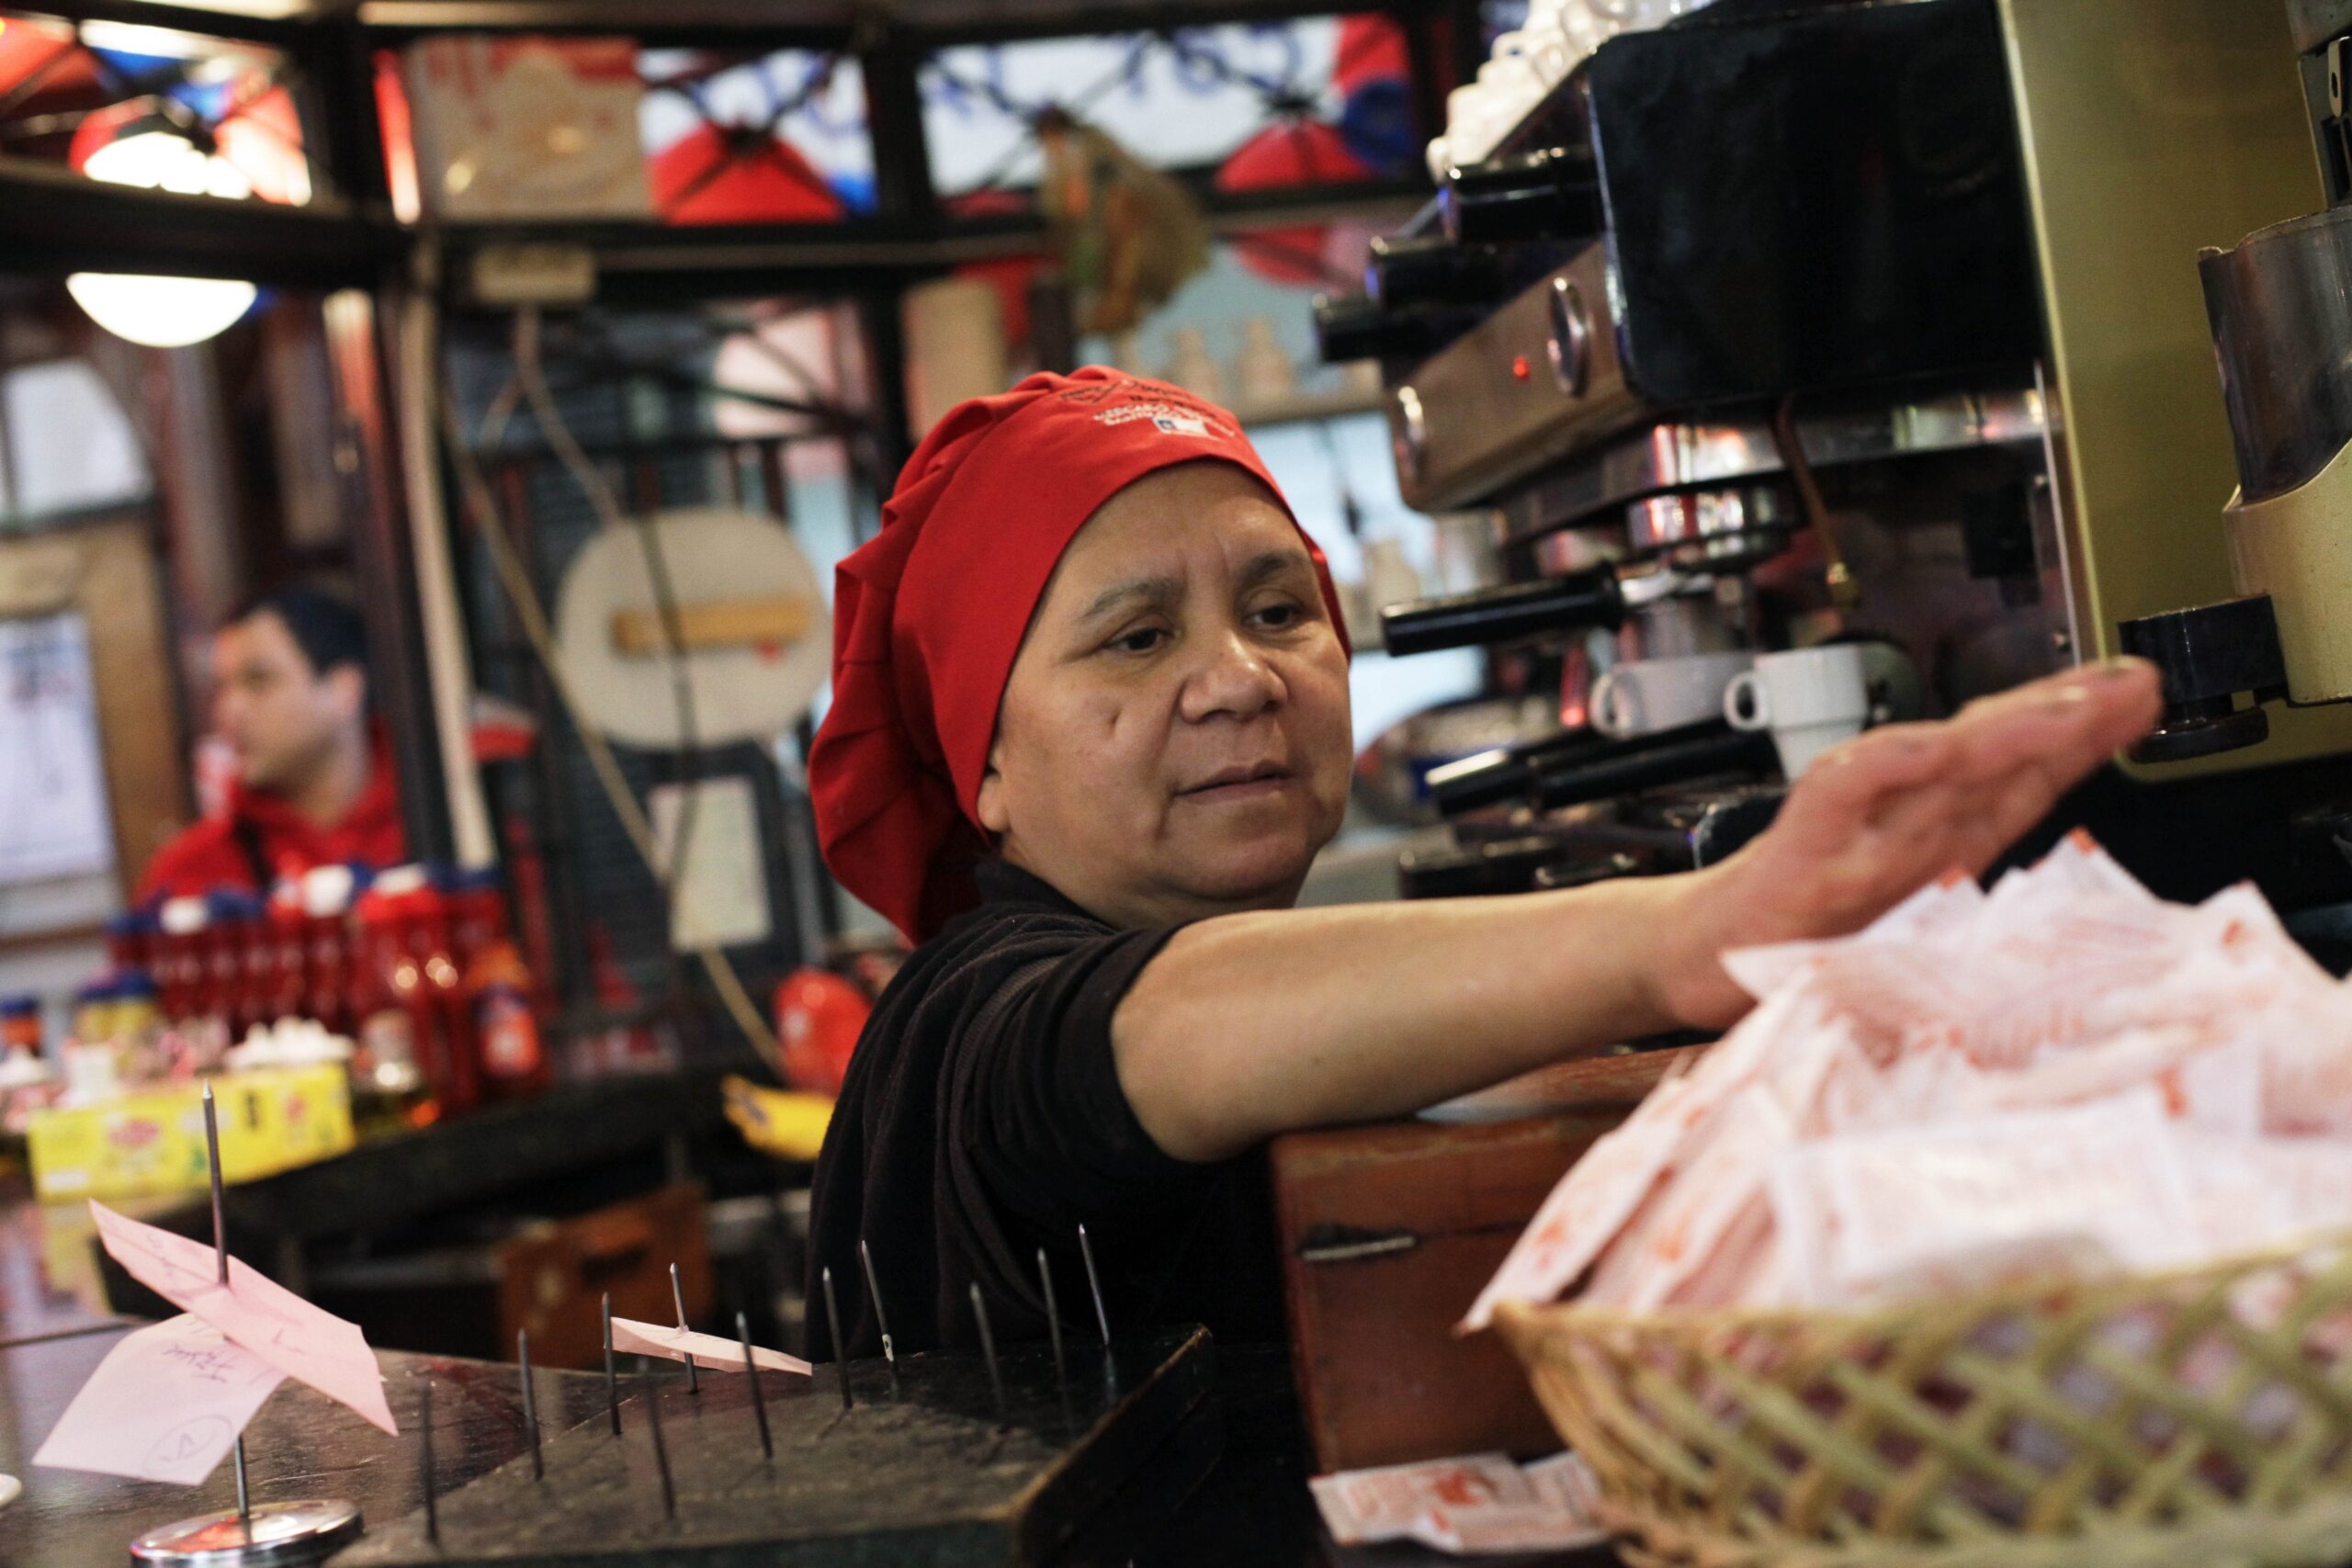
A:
[2208,655]
[1579,601]
[1551,195]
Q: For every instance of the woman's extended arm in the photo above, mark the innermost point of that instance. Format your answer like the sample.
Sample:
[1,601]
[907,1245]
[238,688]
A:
[1247,1025]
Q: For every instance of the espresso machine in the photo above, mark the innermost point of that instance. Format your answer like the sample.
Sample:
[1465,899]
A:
[1806,322]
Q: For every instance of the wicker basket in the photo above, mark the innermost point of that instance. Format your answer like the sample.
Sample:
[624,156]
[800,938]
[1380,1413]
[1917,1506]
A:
[2203,1419]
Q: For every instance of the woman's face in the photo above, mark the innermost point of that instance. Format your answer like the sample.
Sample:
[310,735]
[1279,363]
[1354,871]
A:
[1174,739]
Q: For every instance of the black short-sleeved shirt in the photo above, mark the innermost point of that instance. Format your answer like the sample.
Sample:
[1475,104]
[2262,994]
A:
[982,1118]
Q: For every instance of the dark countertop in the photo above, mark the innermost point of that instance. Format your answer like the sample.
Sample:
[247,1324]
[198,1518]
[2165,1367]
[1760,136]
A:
[301,1445]
[48,1276]
[1252,1509]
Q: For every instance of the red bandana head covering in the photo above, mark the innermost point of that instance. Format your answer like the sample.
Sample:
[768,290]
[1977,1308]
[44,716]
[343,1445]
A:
[929,615]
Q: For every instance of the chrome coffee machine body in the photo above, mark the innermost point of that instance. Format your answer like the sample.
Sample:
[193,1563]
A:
[1794,325]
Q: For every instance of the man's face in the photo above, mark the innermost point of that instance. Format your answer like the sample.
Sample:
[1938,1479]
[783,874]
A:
[283,718]
[1174,739]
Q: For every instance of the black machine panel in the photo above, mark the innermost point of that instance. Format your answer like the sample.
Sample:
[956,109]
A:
[1820,198]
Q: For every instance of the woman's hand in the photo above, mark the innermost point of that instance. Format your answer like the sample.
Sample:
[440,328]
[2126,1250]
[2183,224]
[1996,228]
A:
[1890,811]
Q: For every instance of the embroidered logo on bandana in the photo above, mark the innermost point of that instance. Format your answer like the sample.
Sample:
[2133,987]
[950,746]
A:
[1169,419]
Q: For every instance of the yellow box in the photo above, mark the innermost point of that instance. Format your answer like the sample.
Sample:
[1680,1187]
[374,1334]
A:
[152,1141]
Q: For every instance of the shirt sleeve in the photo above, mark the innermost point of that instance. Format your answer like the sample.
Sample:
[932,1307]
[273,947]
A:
[1037,1120]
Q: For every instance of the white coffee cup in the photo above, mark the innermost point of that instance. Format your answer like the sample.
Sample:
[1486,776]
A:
[1643,696]
[1810,698]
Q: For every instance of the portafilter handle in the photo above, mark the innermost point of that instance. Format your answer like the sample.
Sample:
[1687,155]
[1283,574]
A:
[1578,601]
[1669,757]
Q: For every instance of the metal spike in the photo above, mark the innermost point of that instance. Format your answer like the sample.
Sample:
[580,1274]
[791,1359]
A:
[759,1400]
[612,1382]
[212,1157]
[988,1350]
[661,1449]
[424,1433]
[244,1497]
[834,1322]
[873,1294]
[1054,1324]
[530,1402]
[221,1264]
[678,1297]
[1094,1284]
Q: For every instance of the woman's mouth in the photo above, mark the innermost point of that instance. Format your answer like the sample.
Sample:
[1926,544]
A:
[1237,783]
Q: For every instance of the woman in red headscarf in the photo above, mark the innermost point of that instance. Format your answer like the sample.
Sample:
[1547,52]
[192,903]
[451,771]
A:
[1090,727]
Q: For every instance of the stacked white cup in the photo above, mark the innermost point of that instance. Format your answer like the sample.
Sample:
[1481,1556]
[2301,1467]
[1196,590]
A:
[1813,698]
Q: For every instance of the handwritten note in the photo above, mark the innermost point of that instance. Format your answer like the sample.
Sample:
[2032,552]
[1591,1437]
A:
[707,1350]
[304,1342]
[165,1404]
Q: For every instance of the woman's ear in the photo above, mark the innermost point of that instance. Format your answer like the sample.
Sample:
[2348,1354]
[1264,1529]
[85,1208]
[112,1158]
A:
[991,803]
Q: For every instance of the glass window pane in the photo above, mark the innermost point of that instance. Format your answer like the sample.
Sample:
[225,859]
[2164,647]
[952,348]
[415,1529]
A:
[154,107]
[1189,99]
[69,445]
[778,138]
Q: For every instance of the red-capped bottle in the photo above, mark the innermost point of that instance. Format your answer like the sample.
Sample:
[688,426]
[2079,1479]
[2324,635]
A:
[329,970]
[178,958]
[514,1058]
[399,1043]
[286,980]
[130,941]
[457,1068]
[239,960]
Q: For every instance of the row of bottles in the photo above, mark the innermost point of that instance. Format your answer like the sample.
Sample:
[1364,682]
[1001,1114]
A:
[416,965]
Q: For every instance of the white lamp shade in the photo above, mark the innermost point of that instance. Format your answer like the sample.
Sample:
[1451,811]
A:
[162,312]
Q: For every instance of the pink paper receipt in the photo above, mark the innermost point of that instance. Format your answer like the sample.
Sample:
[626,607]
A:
[304,1342]
[707,1350]
[165,1404]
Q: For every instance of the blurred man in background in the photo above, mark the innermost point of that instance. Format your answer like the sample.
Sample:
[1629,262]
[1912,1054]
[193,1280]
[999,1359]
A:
[314,780]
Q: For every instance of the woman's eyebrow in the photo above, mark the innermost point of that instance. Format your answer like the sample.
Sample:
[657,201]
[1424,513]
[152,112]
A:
[1262,569]
[1159,589]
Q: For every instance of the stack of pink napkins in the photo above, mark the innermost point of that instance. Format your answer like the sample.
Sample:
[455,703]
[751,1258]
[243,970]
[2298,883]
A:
[2064,1076]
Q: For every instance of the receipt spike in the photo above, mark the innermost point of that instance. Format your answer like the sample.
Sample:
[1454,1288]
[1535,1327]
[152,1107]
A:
[759,1400]
[530,1402]
[424,1445]
[987,1351]
[678,1299]
[661,1449]
[221,1261]
[612,1382]
[1054,1324]
[834,1322]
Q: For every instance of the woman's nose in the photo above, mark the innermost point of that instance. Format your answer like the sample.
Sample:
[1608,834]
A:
[1232,679]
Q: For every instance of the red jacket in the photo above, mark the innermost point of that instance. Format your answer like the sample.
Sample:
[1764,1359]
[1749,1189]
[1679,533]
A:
[212,853]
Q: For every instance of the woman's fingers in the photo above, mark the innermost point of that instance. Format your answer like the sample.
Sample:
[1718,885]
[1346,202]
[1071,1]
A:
[1906,803]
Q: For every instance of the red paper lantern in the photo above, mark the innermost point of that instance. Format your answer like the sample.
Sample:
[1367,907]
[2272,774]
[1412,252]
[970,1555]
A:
[1294,153]
[1370,49]
[730,174]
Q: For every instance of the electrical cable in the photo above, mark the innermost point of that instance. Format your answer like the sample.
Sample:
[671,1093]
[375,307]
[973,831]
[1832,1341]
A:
[523,596]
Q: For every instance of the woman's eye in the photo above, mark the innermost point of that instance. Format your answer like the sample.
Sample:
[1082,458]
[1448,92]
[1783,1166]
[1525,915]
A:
[1280,616]
[1143,639]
